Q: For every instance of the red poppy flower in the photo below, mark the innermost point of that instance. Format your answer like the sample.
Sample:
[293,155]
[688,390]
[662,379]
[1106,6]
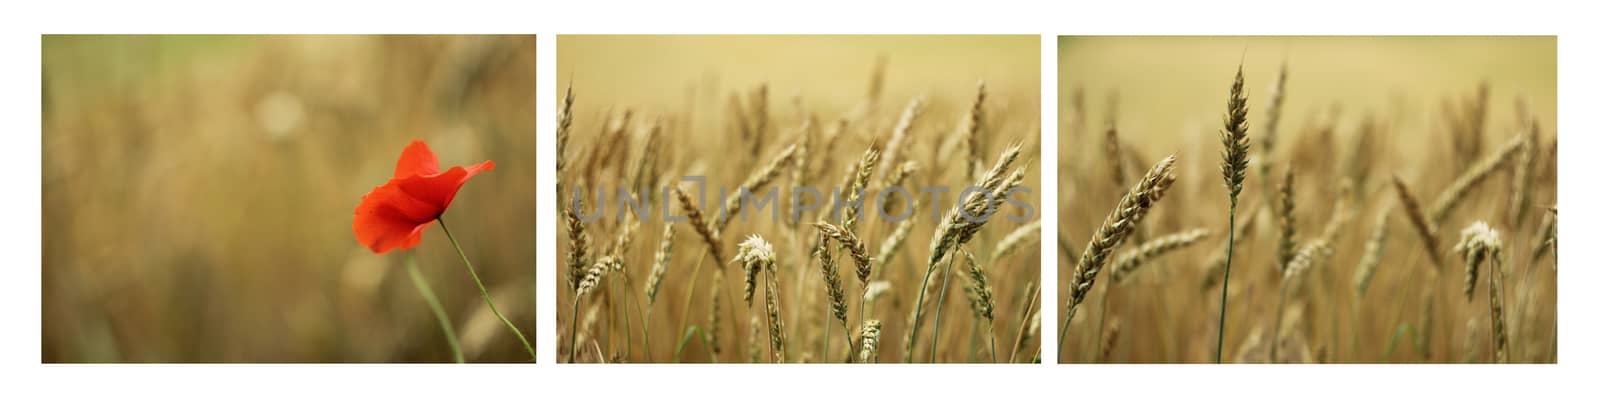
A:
[394,214]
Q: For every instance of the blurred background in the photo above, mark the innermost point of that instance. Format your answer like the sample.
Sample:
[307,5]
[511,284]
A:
[199,191]
[683,103]
[831,73]
[1356,111]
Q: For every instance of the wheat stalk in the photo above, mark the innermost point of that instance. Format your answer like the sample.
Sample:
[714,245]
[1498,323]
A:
[1235,140]
[975,121]
[1016,239]
[834,285]
[1373,253]
[590,281]
[644,169]
[875,290]
[753,341]
[1547,236]
[715,317]
[852,245]
[869,340]
[981,297]
[658,268]
[1117,226]
[1497,312]
[698,221]
[956,230]
[1478,244]
[577,246]
[563,134]
[1113,148]
[1424,226]
[802,155]
[756,254]
[896,179]
[1269,127]
[1341,211]
[1452,195]
[1235,161]
[624,238]
[1219,257]
[1286,221]
[753,183]
[1522,177]
[1109,343]
[1132,259]
[891,245]
[1299,265]
[858,187]
[978,289]
[899,140]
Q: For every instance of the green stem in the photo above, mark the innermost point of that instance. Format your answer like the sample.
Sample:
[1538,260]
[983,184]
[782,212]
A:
[1061,337]
[1027,313]
[1100,330]
[827,332]
[1227,269]
[433,303]
[993,357]
[572,335]
[648,311]
[627,318]
[485,291]
[938,311]
[1277,322]
[691,332]
[861,321]
[1354,353]
[916,318]
[694,280]
[972,340]
[849,343]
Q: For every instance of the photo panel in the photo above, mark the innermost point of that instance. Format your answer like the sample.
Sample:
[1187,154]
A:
[798,199]
[283,199]
[1350,199]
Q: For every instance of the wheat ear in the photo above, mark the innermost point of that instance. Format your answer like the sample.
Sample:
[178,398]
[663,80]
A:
[1424,226]
[698,221]
[1117,226]
[1131,260]
[1451,197]
[1373,252]
[577,246]
[1235,161]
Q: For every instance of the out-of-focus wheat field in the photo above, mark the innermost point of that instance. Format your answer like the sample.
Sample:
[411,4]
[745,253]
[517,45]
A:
[650,109]
[198,193]
[1357,112]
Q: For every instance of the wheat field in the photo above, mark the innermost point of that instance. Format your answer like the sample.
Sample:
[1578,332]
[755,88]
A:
[1395,199]
[857,114]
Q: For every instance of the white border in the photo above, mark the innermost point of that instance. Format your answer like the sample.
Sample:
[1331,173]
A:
[1048,202]
[21,288]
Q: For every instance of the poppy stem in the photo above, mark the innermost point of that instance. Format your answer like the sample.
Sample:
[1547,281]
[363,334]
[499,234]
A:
[485,291]
[433,303]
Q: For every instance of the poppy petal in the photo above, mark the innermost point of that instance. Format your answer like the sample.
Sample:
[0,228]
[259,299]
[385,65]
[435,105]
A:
[393,216]
[440,189]
[417,159]
[388,218]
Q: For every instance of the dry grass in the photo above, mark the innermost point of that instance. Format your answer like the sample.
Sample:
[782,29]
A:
[852,114]
[1383,176]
